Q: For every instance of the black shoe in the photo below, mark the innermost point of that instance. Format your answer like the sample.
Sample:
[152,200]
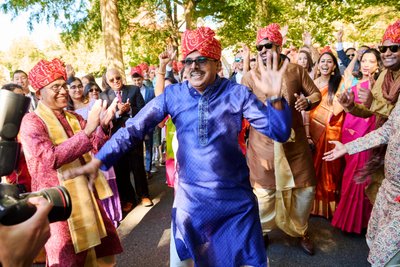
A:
[266,240]
[307,245]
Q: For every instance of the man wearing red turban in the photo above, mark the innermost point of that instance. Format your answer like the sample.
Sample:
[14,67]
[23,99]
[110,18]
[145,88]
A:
[383,233]
[215,219]
[46,72]
[55,140]
[283,175]
[203,41]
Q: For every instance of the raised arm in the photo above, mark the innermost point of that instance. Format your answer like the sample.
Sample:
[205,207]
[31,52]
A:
[164,58]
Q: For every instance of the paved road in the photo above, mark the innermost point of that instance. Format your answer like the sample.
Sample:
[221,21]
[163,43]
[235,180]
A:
[145,234]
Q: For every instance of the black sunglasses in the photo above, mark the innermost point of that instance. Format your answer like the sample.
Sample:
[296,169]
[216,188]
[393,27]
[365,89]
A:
[201,61]
[351,55]
[91,90]
[392,48]
[267,46]
[116,79]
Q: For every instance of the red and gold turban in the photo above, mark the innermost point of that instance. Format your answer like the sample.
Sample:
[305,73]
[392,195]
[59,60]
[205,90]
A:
[46,72]
[202,40]
[137,70]
[272,33]
[392,33]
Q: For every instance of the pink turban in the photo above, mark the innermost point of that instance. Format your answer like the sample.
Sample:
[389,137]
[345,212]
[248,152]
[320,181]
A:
[137,70]
[46,72]
[272,33]
[202,40]
[144,66]
[392,33]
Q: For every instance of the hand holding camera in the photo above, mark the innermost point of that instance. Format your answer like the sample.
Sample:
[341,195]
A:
[34,232]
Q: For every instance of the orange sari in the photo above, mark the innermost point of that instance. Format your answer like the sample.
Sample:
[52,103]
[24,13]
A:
[326,122]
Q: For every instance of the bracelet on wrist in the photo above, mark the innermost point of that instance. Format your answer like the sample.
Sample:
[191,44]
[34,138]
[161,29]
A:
[161,73]
[274,99]
[309,104]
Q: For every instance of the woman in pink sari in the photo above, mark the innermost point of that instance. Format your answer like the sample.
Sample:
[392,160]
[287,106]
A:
[354,209]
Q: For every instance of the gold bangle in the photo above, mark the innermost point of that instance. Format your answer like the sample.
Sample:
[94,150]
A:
[305,124]
[160,72]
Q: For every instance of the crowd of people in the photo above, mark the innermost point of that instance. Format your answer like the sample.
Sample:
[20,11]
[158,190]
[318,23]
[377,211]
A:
[265,144]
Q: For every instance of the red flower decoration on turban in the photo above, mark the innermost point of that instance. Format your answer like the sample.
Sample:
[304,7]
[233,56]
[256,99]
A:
[137,70]
[392,33]
[202,40]
[46,72]
[272,33]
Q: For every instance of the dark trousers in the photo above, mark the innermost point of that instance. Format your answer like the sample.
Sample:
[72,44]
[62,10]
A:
[131,162]
[148,143]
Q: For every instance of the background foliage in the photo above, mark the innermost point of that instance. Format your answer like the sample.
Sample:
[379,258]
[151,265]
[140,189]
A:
[148,25]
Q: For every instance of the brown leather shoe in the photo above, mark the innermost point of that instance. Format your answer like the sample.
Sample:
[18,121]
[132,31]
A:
[307,245]
[147,202]
[127,207]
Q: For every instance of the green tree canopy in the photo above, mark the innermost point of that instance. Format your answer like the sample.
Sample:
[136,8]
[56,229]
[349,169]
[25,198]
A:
[147,26]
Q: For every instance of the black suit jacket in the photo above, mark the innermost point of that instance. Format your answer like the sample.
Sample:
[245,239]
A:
[136,100]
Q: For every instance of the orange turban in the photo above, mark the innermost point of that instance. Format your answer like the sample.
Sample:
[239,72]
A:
[202,40]
[392,33]
[137,70]
[46,72]
[272,33]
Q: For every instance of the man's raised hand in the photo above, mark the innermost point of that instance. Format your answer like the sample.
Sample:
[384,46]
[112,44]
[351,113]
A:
[270,82]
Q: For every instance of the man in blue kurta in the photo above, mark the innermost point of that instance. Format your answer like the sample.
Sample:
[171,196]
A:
[215,219]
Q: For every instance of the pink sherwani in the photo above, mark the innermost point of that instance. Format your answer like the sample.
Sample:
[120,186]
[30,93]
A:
[43,160]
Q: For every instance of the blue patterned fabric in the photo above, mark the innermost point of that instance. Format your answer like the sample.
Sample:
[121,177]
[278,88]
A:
[215,214]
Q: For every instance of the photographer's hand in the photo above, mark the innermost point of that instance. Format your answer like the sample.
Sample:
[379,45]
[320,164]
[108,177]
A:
[20,243]
[90,169]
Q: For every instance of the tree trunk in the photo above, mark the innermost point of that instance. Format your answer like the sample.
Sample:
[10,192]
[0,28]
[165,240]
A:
[262,15]
[112,35]
[189,7]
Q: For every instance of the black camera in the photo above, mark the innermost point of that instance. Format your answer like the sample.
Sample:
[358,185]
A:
[15,208]
[14,205]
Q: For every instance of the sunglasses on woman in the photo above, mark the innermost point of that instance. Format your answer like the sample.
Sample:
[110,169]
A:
[91,90]
[392,48]
[267,46]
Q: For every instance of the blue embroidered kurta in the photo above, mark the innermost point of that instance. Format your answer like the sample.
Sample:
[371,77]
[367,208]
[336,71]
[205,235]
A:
[215,217]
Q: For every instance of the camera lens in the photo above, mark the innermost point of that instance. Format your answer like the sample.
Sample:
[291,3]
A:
[15,208]
[61,201]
